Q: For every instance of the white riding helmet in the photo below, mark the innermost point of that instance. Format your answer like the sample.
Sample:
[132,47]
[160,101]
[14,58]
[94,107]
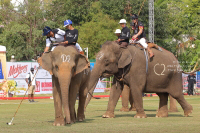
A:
[122,21]
[118,31]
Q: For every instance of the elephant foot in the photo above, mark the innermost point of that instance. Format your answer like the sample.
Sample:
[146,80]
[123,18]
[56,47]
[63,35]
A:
[140,115]
[132,109]
[108,115]
[173,110]
[81,118]
[73,120]
[59,122]
[67,121]
[162,113]
[188,111]
[123,109]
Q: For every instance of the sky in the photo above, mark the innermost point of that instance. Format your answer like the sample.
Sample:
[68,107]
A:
[16,2]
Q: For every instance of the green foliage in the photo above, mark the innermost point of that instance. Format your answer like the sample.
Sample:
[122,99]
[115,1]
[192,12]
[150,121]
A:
[96,22]
[23,30]
[100,29]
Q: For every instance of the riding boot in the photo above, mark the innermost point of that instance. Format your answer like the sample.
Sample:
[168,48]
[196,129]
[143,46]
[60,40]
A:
[150,52]
[29,97]
[82,52]
[32,97]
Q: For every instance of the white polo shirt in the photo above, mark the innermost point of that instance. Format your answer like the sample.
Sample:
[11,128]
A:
[32,75]
[59,37]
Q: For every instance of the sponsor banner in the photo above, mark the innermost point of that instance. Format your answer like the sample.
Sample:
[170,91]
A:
[17,70]
[92,65]
[198,79]
[44,86]
[100,86]
[184,81]
[43,74]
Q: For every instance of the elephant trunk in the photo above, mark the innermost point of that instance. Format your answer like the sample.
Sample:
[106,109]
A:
[65,76]
[94,77]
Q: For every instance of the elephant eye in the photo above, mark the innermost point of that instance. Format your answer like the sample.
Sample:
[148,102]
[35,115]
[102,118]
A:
[56,67]
[106,62]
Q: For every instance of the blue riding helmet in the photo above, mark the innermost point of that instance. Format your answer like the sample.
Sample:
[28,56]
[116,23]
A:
[67,22]
[46,30]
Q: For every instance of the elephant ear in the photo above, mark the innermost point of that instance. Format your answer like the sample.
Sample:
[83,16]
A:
[45,61]
[125,58]
[82,63]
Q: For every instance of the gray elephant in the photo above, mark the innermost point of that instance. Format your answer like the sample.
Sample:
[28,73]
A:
[128,65]
[70,74]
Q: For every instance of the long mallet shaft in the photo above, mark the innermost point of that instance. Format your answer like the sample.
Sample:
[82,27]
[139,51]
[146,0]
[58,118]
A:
[10,123]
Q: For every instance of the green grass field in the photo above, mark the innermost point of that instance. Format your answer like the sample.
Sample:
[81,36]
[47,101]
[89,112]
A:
[38,118]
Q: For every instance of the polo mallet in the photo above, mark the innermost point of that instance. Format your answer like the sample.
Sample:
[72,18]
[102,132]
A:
[10,123]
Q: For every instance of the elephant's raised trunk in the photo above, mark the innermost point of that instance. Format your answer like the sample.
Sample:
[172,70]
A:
[64,81]
[94,77]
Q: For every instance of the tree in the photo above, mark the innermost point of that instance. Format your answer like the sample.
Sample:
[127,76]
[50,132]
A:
[23,30]
[100,29]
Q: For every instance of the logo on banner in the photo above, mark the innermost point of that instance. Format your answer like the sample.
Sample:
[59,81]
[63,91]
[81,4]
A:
[37,87]
[16,71]
[46,86]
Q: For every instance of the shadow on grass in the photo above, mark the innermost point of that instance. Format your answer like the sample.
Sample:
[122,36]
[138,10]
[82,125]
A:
[85,121]
[150,110]
[169,115]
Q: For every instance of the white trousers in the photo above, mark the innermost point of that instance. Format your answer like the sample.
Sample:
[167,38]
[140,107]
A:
[142,41]
[76,45]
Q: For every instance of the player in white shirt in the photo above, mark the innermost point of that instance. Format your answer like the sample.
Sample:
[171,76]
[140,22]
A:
[30,80]
[56,36]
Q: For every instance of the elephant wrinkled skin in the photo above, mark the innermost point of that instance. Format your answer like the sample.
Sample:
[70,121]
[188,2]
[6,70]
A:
[128,65]
[70,74]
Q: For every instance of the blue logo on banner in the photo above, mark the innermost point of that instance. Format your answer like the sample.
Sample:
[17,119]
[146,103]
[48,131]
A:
[198,80]
[1,73]
[92,65]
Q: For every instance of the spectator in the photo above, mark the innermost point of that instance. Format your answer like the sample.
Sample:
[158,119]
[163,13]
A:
[191,81]
[30,80]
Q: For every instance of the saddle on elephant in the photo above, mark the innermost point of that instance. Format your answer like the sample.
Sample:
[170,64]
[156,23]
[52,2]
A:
[150,45]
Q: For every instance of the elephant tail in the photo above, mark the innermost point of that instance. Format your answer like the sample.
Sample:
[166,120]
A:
[192,72]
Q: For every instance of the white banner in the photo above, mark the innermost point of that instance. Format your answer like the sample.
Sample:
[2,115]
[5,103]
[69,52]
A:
[17,70]
[44,86]
[100,87]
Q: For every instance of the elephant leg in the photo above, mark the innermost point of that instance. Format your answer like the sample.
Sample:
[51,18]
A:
[82,98]
[137,97]
[184,104]
[115,93]
[59,119]
[172,107]
[132,108]
[125,98]
[163,110]
[72,101]
[176,92]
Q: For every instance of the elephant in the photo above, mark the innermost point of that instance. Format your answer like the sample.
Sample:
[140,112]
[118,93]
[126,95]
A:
[70,74]
[127,97]
[163,76]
